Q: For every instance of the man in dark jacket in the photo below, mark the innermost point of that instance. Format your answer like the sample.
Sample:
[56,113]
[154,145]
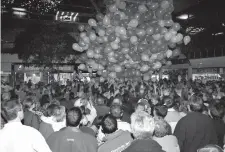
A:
[195,130]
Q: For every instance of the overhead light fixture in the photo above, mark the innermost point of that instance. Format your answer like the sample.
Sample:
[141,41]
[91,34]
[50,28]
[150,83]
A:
[19,11]
[219,33]
[183,17]
[223,24]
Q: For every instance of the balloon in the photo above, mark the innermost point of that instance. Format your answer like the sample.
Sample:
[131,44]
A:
[150,30]
[142,8]
[160,56]
[117,40]
[118,68]
[187,39]
[179,37]
[154,6]
[168,63]
[176,52]
[92,36]
[133,23]
[168,36]
[90,53]
[76,47]
[122,5]
[112,37]
[92,22]
[101,32]
[172,45]
[112,75]
[108,49]
[145,57]
[82,43]
[174,39]
[81,28]
[142,47]
[161,23]
[167,16]
[133,40]
[113,8]
[176,26]
[81,67]
[157,65]
[100,40]
[125,50]
[114,46]
[98,50]
[123,31]
[86,40]
[169,53]
[99,16]
[165,4]
[106,20]
[159,13]
[110,30]
[144,68]
[140,32]
[156,37]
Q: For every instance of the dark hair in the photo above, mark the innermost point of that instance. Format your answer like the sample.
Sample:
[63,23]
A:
[109,124]
[71,96]
[10,109]
[116,111]
[161,111]
[44,99]
[51,109]
[217,111]
[73,117]
[168,101]
[196,103]
[28,102]
[162,128]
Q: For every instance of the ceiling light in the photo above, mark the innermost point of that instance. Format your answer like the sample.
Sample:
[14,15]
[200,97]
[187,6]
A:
[183,17]
[223,24]
[219,33]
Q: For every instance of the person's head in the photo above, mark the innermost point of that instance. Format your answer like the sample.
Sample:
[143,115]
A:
[160,111]
[58,113]
[143,105]
[12,110]
[109,124]
[71,96]
[28,103]
[210,148]
[142,125]
[162,128]
[100,100]
[168,101]
[117,101]
[196,103]
[74,117]
[116,111]
[217,111]
[44,100]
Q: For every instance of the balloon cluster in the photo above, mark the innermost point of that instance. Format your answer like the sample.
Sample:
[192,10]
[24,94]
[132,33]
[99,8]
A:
[130,40]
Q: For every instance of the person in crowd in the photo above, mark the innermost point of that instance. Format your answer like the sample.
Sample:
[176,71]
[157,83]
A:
[101,107]
[126,112]
[163,135]
[143,105]
[217,112]
[142,127]
[71,138]
[88,105]
[117,112]
[114,140]
[195,130]
[16,137]
[160,111]
[173,116]
[210,148]
[54,121]
[30,118]
[68,104]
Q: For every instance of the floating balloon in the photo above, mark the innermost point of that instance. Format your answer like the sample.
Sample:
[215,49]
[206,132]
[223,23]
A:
[92,22]
[122,5]
[92,36]
[165,4]
[113,8]
[106,20]
[81,67]
[133,40]
[133,23]
[81,28]
[187,39]
[76,47]
[169,53]
[157,65]
[142,8]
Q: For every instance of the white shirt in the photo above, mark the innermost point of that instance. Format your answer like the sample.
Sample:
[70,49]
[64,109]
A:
[122,125]
[56,126]
[15,137]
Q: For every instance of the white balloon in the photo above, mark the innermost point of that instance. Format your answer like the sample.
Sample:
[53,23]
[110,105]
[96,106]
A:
[168,36]
[142,8]
[133,39]
[106,20]
[154,56]
[92,36]
[145,57]
[76,47]
[90,53]
[123,31]
[112,8]
[86,40]
[157,65]
[117,40]
[114,45]
[169,53]
[144,68]
[81,67]
[133,23]
[92,22]
[187,39]
[101,32]
[83,34]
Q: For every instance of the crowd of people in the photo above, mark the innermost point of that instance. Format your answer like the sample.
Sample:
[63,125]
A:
[114,116]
